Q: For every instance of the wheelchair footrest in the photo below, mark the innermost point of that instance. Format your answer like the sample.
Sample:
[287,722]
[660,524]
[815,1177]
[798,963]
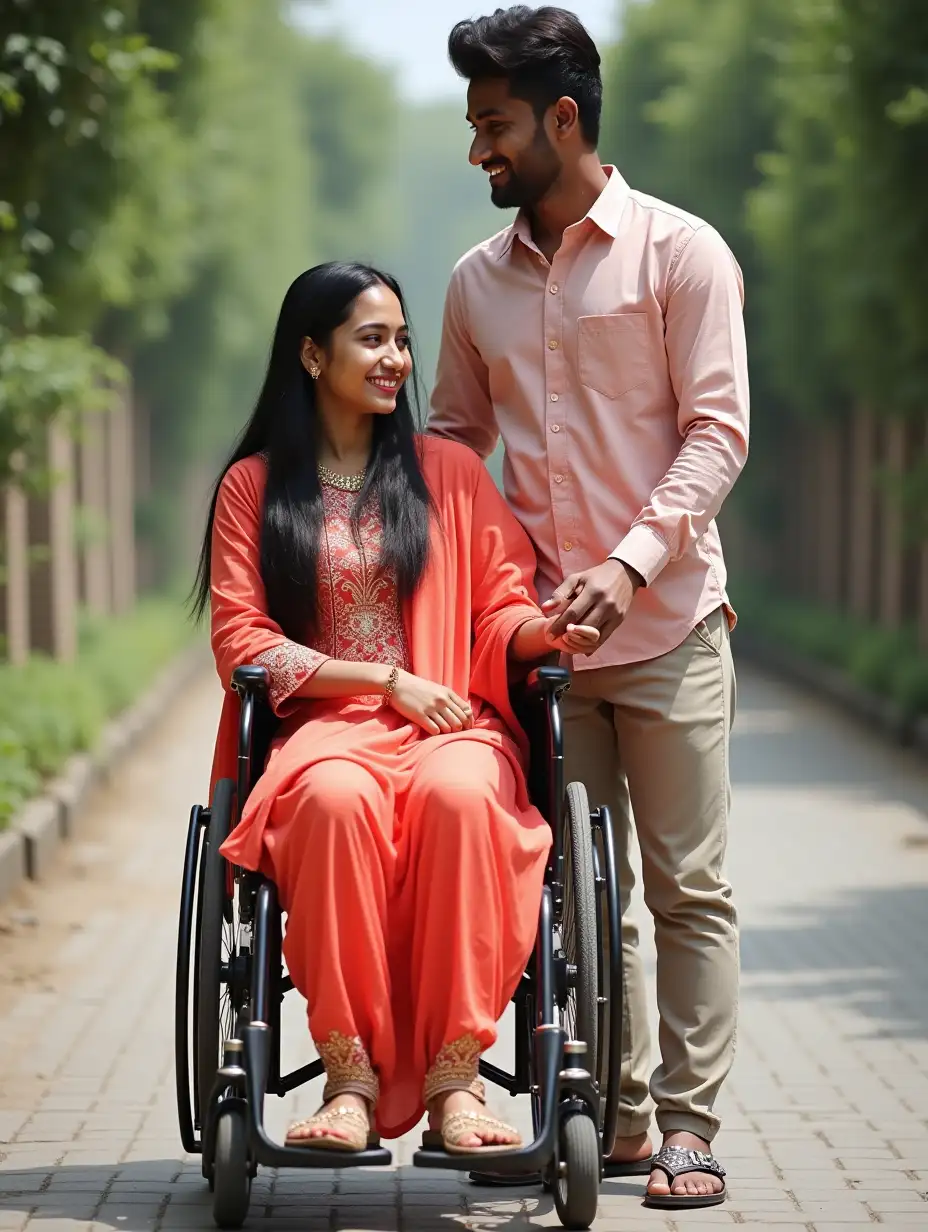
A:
[274,1156]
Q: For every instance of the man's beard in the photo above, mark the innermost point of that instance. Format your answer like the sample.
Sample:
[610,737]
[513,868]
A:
[540,170]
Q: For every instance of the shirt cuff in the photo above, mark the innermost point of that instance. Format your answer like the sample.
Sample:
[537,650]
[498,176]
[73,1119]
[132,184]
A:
[644,550]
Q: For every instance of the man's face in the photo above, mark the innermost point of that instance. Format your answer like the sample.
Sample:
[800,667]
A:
[511,145]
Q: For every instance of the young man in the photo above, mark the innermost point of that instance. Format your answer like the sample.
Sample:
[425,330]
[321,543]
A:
[602,336]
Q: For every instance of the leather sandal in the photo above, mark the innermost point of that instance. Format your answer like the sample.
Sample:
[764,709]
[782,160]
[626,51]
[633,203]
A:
[676,1161]
[354,1124]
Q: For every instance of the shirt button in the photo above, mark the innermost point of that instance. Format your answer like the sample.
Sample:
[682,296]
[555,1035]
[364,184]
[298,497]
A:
[554,288]
[568,546]
[555,427]
[554,397]
[558,478]
[552,345]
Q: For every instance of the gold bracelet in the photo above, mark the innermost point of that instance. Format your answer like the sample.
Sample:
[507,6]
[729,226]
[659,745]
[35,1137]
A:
[391,685]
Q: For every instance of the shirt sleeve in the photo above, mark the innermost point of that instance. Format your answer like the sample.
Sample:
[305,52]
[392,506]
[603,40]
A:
[461,407]
[242,632]
[707,356]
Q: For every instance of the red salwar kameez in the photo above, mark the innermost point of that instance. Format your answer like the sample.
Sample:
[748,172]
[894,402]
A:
[410,866]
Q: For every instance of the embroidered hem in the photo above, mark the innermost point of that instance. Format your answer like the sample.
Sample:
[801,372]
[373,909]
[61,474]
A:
[289,665]
[348,1070]
[455,1069]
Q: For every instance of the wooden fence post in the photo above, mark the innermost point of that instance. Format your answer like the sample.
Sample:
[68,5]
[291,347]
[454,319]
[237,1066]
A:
[922,600]
[53,573]
[94,484]
[121,511]
[892,549]
[14,556]
[829,531]
[861,515]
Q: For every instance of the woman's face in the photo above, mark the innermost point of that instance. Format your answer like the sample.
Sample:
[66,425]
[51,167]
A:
[367,360]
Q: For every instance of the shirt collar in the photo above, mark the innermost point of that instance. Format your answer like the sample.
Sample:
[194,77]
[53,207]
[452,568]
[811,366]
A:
[605,212]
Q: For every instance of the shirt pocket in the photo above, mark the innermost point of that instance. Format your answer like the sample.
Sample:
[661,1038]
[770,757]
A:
[613,351]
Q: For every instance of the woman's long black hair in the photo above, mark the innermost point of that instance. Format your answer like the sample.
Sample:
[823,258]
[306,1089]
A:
[285,425]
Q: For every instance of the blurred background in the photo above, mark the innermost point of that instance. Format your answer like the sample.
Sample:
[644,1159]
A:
[168,166]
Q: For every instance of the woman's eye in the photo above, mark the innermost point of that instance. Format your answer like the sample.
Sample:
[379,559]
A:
[402,343]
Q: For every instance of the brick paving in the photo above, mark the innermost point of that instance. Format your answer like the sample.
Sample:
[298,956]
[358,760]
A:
[825,1116]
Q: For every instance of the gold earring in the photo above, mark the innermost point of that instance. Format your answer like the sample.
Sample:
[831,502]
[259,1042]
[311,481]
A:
[314,371]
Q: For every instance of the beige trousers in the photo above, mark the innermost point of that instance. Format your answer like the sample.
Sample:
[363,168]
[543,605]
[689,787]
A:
[650,740]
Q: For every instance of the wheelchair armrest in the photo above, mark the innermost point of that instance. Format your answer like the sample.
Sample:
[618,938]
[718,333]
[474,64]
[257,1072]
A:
[250,680]
[547,682]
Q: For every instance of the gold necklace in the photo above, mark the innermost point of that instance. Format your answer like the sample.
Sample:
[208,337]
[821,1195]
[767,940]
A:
[345,483]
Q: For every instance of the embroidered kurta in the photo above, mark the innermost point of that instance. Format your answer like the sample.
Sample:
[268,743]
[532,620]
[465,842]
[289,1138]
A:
[410,866]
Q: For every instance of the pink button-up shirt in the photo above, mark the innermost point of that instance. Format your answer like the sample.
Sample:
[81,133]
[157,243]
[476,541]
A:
[617,376]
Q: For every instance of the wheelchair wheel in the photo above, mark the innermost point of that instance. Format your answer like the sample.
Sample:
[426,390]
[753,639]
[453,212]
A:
[576,1190]
[231,1169]
[185,1001]
[578,926]
[214,1013]
[609,948]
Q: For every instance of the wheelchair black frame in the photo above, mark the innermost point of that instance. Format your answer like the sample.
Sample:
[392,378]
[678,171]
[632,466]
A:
[560,1079]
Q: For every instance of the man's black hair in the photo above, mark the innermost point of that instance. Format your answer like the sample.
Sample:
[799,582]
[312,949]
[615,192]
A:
[544,54]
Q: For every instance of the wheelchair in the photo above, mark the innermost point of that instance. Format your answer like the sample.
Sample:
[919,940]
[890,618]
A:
[230,983]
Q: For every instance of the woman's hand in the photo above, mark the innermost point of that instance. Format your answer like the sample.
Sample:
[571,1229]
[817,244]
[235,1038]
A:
[576,639]
[434,707]
[534,640]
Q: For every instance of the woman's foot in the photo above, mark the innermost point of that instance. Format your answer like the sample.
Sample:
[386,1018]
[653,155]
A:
[465,1125]
[691,1184]
[343,1124]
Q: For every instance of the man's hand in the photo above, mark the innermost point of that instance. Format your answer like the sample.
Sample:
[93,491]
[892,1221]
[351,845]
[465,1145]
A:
[599,597]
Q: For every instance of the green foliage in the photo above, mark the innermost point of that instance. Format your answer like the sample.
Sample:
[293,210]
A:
[288,169]
[84,144]
[799,128]
[885,662]
[50,710]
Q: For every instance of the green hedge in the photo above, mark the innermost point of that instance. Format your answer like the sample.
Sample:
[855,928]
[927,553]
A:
[885,662]
[50,710]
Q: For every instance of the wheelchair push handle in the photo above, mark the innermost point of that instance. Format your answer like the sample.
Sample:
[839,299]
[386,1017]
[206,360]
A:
[547,682]
[251,680]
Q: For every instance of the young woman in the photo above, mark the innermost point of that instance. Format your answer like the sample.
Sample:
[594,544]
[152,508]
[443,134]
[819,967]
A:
[387,589]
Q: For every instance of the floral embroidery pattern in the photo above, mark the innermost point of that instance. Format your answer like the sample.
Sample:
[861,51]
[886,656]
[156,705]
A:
[360,614]
[347,1067]
[359,608]
[289,665]
[455,1069]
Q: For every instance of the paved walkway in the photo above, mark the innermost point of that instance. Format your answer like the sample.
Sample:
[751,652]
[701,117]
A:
[825,1118]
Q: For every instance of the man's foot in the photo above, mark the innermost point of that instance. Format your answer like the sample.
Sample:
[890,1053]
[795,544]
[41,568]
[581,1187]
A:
[343,1124]
[630,1157]
[695,1184]
[465,1126]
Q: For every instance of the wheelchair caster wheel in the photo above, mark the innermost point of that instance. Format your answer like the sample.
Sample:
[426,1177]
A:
[231,1170]
[577,1175]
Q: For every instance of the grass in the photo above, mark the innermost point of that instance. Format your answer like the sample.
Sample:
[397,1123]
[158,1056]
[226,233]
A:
[51,710]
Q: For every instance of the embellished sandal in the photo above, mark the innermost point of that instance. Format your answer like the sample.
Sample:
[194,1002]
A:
[459,1125]
[677,1161]
[348,1072]
[355,1126]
